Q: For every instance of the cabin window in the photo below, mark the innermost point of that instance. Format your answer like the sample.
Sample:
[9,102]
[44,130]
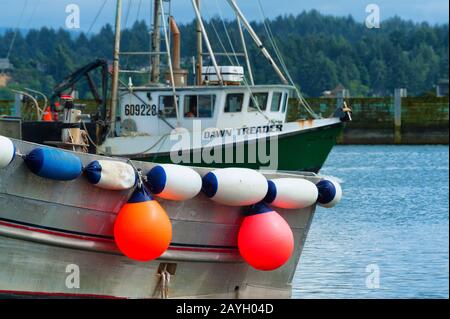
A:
[285,102]
[276,102]
[201,106]
[258,99]
[167,106]
[234,103]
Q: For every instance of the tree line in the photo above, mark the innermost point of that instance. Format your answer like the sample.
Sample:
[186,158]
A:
[320,52]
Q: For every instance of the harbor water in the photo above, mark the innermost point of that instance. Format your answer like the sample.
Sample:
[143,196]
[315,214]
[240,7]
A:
[389,237]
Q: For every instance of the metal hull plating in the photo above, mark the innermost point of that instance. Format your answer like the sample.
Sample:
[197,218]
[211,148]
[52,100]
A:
[47,227]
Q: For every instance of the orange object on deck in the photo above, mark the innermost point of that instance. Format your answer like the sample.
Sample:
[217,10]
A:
[47,116]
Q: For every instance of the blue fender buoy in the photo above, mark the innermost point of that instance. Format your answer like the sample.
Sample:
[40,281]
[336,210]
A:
[54,164]
[330,193]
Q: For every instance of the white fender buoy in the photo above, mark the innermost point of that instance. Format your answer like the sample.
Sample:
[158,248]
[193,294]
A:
[111,175]
[7,151]
[291,193]
[235,186]
[330,193]
[174,182]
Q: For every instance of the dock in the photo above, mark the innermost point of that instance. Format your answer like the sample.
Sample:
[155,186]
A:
[409,120]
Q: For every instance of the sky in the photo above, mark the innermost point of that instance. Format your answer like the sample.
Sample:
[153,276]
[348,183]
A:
[52,13]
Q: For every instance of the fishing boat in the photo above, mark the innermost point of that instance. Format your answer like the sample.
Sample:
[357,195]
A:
[87,213]
[223,116]
[216,117]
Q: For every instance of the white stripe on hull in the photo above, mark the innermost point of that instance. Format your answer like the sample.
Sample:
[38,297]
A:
[147,146]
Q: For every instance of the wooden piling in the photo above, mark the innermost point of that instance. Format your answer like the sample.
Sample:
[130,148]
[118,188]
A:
[398,95]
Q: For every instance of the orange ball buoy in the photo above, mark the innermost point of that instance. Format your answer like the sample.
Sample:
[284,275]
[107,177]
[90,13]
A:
[142,229]
[265,239]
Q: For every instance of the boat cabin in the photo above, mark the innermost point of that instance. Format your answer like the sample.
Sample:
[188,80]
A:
[151,110]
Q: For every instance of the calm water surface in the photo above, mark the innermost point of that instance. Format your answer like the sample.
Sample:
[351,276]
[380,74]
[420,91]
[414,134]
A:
[393,220]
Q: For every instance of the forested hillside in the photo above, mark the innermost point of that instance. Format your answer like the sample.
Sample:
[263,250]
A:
[320,52]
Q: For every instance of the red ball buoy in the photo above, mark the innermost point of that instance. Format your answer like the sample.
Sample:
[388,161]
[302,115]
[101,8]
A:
[265,239]
[142,230]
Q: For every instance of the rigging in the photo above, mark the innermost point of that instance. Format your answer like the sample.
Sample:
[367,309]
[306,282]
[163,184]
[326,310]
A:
[17,30]
[97,16]
[282,62]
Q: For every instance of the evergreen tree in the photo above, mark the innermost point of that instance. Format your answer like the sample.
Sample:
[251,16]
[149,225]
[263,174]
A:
[320,51]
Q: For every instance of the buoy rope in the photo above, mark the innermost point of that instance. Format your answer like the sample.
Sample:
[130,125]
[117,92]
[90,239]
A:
[137,153]
[19,154]
[165,281]
[138,173]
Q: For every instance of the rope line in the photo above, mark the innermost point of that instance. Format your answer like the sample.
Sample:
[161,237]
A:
[127,13]
[33,13]
[97,16]
[139,10]
[247,85]
[283,63]
[11,45]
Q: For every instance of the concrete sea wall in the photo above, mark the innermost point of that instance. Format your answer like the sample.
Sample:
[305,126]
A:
[423,120]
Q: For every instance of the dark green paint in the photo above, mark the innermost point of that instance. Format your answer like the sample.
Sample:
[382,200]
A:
[304,151]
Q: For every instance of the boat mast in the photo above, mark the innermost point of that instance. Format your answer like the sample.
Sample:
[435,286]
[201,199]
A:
[169,62]
[156,44]
[115,75]
[208,44]
[244,46]
[199,49]
[258,42]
